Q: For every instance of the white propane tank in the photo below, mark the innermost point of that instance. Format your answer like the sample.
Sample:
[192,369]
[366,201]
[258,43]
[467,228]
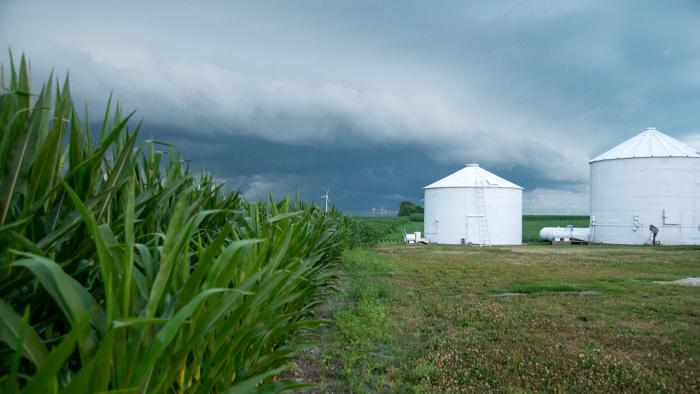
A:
[571,232]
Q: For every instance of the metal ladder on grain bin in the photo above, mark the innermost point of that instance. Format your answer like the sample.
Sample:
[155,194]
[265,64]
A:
[481,213]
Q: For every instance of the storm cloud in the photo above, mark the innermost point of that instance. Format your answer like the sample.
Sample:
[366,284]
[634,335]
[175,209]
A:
[377,99]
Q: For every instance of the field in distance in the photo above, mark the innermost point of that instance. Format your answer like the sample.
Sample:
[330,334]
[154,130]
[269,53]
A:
[389,229]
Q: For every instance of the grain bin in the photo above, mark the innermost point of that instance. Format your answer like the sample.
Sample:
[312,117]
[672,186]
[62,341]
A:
[473,206]
[650,179]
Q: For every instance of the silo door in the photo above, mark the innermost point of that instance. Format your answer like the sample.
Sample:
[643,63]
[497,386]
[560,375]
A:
[473,230]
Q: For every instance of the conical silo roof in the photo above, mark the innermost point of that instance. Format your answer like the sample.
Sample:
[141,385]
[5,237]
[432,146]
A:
[472,176]
[648,143]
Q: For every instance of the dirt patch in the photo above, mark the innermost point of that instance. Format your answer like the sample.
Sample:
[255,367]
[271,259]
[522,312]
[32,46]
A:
[639,324]
[579,293]
[681,282]
[510,294]
[308,368]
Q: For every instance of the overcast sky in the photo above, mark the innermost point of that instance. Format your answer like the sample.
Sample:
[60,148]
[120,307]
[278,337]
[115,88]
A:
[377,99]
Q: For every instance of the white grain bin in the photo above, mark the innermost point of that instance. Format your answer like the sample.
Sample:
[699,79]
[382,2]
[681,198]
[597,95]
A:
[650,179]
[473,206]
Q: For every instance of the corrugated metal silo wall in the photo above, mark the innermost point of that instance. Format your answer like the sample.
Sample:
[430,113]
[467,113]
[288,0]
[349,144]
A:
[628,195]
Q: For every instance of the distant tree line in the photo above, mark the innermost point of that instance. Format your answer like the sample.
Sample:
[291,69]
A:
[407,208]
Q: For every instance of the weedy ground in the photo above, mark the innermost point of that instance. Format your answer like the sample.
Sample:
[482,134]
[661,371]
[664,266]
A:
[431,318]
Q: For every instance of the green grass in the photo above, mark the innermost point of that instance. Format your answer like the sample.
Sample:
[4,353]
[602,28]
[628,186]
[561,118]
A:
[532,224]
[390,229]
[434,319]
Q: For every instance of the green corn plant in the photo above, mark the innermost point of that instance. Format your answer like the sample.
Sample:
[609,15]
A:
[122,270]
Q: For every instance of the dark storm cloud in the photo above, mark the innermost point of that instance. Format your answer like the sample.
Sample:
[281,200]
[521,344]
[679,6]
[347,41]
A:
[375,99]
[376,175]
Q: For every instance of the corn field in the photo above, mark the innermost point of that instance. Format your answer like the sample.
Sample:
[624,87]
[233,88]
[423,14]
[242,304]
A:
[123,270]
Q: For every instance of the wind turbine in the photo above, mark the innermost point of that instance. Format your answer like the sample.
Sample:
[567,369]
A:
[325,197]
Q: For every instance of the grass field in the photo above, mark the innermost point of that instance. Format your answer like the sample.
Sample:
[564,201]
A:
[390,229]
[531,318]
[532,224]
